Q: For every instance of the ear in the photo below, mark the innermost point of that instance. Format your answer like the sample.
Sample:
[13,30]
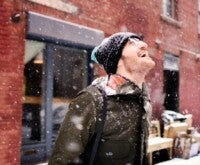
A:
[120,63]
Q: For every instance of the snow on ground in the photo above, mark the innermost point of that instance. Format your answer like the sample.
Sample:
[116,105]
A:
[177,161]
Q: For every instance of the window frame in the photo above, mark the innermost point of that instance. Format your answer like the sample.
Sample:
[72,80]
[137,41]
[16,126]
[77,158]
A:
[173,14]
[198,17]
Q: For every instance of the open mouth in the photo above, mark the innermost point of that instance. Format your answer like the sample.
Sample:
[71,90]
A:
[143,55]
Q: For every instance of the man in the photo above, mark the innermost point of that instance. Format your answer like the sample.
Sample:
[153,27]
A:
[125,58]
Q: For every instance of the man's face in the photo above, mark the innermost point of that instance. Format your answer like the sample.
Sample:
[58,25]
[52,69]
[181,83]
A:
[135,56]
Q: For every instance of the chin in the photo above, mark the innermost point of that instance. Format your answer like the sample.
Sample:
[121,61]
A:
[149,65]
[153,64]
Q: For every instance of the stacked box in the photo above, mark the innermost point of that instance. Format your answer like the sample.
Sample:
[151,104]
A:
[185,146]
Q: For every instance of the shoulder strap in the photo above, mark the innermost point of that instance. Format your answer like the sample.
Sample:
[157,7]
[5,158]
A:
[100,97]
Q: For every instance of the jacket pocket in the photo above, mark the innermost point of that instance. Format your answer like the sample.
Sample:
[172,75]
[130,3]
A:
[114,149]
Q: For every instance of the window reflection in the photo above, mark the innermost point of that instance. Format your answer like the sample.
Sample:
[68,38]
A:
[70,76]
[32,123]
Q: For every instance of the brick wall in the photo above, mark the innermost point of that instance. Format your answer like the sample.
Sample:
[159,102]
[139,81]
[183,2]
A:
[11,71]
[145,17]
[140,17]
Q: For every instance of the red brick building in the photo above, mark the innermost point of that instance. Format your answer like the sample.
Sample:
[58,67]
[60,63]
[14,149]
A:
[44,59]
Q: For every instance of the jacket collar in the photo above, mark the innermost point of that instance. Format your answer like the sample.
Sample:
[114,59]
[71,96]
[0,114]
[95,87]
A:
[117,85]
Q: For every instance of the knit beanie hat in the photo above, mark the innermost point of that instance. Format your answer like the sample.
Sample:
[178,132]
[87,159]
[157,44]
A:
[109,51]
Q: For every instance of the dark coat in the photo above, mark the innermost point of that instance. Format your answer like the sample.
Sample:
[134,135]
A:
[125,133]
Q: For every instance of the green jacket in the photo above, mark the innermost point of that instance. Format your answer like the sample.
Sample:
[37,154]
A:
[125,133]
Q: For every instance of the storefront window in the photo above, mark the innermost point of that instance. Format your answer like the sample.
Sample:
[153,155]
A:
[69,76]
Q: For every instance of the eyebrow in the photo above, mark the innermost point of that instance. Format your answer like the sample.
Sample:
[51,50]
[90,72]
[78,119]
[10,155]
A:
[138,37]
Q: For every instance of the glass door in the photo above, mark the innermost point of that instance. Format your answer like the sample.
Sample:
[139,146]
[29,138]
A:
[171,82]
[53,75]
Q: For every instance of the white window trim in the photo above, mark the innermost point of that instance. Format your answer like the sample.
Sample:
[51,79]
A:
[172,15]
[168,19]
[171,62]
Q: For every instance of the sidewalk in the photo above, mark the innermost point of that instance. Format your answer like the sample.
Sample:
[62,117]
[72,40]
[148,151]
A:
[176,161]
